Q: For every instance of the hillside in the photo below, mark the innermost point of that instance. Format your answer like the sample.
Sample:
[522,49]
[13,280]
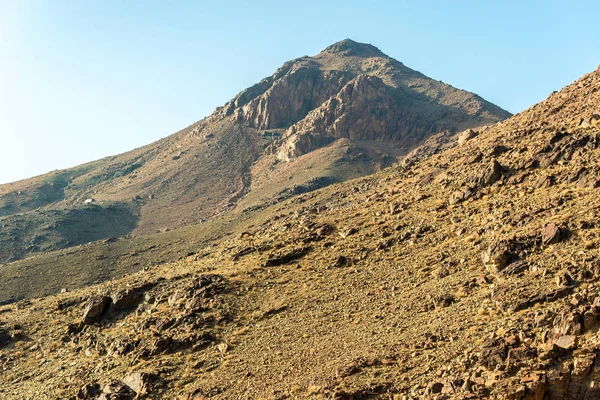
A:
[346,112]
[470,270]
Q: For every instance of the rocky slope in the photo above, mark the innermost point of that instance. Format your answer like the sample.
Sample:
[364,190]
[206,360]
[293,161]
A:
[358,107]
[470,270]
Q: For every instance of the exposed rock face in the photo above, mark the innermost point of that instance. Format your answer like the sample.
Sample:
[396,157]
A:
[364,109]
[290,97]
[353,90]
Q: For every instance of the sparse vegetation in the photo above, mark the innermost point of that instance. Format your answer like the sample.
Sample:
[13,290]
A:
[468,270]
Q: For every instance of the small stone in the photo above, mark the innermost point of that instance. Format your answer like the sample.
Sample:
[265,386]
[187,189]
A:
[564,278]
[465,136]
[313,390]
[482,280]
[88,392]
[341,262]
[576,299]
[117,390]
[496,257]
[126,299]
[222,347]
[347,232]
[551,235]
[5,337]
[512,340]
[95,309]
[435,388]
[492,174]
[138,382]
[567,342]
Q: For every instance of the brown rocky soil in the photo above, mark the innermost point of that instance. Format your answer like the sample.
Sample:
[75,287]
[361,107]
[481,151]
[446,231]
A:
[469,270]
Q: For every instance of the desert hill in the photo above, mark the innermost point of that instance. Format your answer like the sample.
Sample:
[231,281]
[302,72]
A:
[346,112]
[469,270]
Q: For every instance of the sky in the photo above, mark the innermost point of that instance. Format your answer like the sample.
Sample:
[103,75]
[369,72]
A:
[85,79]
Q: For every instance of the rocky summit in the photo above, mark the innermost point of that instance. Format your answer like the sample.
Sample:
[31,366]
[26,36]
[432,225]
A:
[469,269]
[344,113]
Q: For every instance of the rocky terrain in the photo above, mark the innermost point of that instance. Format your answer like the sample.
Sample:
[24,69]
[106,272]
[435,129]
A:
[469,270]
[346,112]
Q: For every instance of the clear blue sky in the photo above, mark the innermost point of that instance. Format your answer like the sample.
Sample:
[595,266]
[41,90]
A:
[83,79]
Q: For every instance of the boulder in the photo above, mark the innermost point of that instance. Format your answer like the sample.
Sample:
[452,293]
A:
[567,342]
[95,309]
[117,391]
[126,299]
[551,234]
[5,337]
[496,257]
[492,174]
[465,136]
[138,382]
[88,392]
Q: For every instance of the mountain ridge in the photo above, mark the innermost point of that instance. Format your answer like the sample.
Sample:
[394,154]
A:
[348,111]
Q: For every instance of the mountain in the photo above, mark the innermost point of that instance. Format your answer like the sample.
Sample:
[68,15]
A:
[346,112]
[469,270]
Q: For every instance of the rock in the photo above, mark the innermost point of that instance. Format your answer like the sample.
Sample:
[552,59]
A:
[570,323]
[482,280]
[95,309]
[117,391]
[492,174]
[395,208]
[445,300]
[461,195]
[434,388]
[515,269]
[126,299]
[564,278]
[222,347]
[88,392]
[493,353]
[354,112]
[474,159]
[275,260]
[160,345]
[421,197]
[567,342]
[496,257]
[351,369]
[347,232]
[341,262]
[313,390]
[443,387]
[512,340]
[551,234]
[5,337]
[138,382]
[497,149]
[466,135]
[302,143]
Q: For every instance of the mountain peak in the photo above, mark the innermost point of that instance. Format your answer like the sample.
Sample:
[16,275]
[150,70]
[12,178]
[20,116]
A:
[349,47]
